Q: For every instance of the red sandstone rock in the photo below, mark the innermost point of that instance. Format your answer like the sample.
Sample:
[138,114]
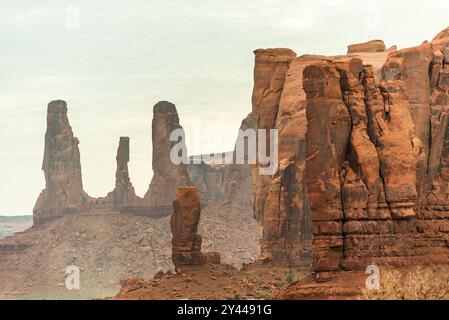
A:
[167,176]
[123,198]
[63,193]
[376,160]
[370,46]
[186,242]
[281,204]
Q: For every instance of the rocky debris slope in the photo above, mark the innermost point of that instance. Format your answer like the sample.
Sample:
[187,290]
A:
[376,159]
[111,247]
[212,281]
[63,191]
[186,242]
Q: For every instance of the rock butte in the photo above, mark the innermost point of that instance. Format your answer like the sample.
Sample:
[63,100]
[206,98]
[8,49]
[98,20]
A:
[363,158]
[376,160]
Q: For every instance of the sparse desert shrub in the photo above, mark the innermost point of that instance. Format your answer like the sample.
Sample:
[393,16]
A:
[421,283]
[290,277]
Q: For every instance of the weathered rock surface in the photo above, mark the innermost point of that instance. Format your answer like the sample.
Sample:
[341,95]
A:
[376,168]
[209,179]
[63,193]
[370,46]
[238,186]
[186,242]
[123,198]
[222,181]
[167,176]
[280,201]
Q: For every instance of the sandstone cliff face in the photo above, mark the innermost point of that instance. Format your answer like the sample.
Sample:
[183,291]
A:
[186,242]
[63,191]
[167,176]
[238,186]
[225,182]
[280,201]
[209,179]
[376,158]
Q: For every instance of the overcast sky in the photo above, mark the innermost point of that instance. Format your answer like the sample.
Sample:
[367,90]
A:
[121,57]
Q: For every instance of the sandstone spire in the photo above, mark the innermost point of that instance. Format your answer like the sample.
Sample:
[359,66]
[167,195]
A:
[63,192]
[167,176]
[123,195]
[186,242]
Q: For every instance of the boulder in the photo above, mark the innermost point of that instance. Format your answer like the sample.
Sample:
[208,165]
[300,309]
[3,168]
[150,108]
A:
[186,242]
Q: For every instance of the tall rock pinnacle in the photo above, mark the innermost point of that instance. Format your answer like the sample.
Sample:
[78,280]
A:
[123,194]
[63,192]
[167,176]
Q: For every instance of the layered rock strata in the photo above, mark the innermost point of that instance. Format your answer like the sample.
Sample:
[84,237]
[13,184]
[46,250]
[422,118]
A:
[376,168]
[280,201]
[186,242]
[370,46]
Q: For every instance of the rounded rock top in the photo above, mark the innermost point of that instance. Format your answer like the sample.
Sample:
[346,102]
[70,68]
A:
[164,107]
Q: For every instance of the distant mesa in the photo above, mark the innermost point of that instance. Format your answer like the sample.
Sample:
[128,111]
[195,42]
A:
[370,46]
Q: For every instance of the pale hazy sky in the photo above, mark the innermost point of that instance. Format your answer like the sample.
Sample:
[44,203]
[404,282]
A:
[127,55]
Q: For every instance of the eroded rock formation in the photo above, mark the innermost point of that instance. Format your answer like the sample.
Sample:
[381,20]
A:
[208,178]
[186,242]
[123,198]
[280,201]
[226,182]
[167,176]
[370,46]
[63,193]
[376,163]
[238,186]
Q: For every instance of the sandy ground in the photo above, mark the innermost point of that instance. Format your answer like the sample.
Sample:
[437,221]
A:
[221,282]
